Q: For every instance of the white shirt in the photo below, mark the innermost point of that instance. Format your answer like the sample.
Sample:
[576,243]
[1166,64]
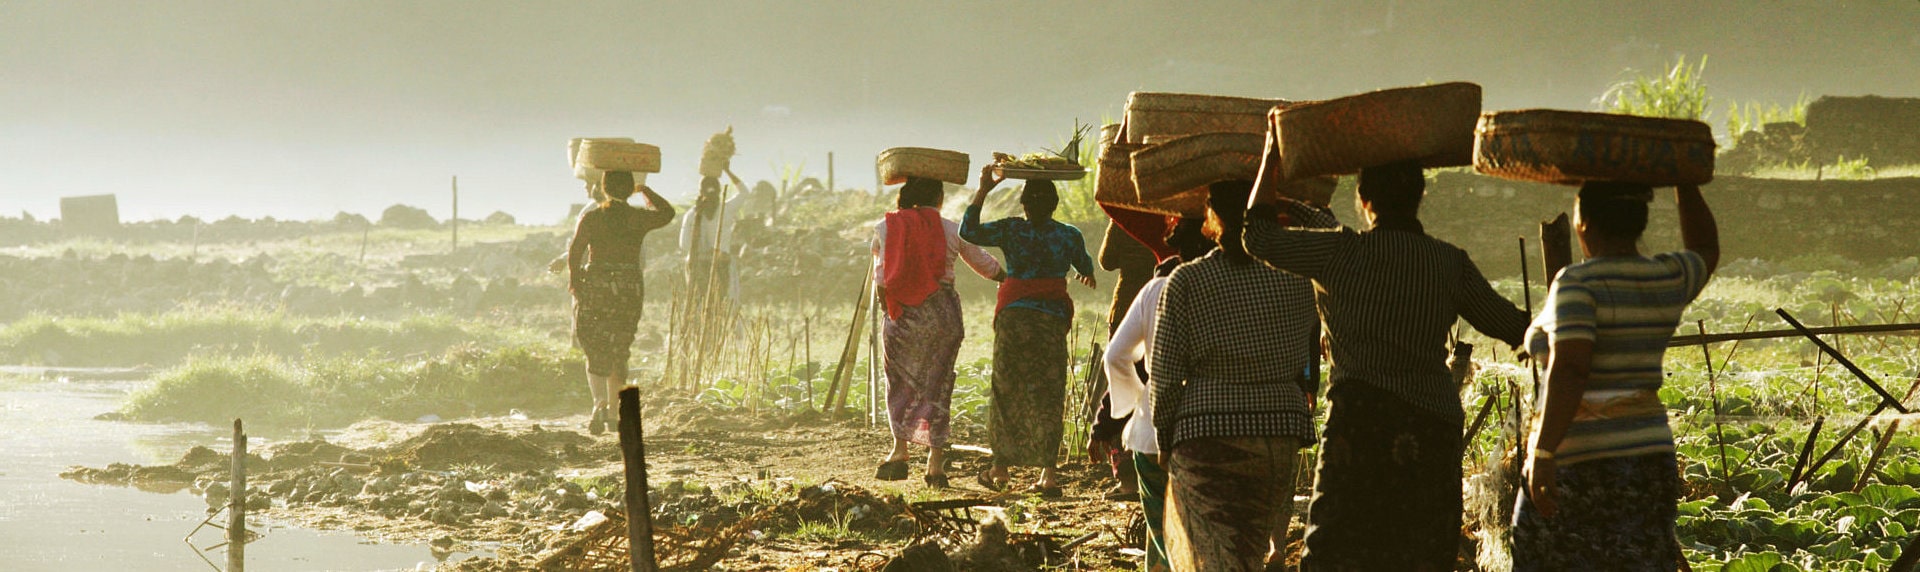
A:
[1132,341]
[703,244]
[982,262]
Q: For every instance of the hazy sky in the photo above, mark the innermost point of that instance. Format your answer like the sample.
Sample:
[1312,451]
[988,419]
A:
[302,109]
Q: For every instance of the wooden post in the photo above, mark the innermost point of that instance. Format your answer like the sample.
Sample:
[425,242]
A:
[1556,246]
[874,309]
[806,373]
[455,221]
[843,372]
[237,504]
[633,451]
[365,233]
[1533,364]
[830,188]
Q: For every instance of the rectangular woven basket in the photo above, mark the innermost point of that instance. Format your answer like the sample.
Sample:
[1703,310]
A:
[1571,147]
[898,163]
[1432,124]
[1151,114]
[1178,172]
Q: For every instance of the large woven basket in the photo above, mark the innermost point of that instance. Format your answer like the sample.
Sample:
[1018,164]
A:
[1570,147]
[898,163]
[1178,172]
[608,155]
[573,156]
[1150,114]
[1432,124]
[1113,182]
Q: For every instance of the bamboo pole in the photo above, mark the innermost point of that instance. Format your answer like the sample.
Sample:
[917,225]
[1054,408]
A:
[1834,451]
[843,372]
[1844,362]
[237,503]
[1879,448]
[1869,329]
[633,451]
[806,372]
[1806,452]
[1533,363]
[1713,389]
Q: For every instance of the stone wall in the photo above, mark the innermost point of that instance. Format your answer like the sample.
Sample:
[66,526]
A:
[1770,219]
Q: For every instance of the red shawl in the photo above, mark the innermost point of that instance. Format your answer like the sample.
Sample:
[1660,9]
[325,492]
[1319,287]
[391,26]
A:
[915,257]
[1148,228]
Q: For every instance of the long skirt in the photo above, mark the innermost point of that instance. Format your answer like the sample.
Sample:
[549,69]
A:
[1615,514]
[1227,499]
[921,347]
[606,312]
[1388,492]
[1153,503]
[1029,387]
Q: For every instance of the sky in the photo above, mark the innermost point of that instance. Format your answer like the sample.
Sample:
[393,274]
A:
[301,109]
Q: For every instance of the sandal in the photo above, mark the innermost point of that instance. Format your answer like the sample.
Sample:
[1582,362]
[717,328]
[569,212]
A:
[938,481]
[986,480]
[891,471]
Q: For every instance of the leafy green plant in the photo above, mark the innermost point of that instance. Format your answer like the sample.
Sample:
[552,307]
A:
[1754,114]
[1680,93]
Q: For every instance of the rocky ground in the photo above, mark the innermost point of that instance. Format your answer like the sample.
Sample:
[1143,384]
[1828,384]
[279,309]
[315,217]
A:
[730,492]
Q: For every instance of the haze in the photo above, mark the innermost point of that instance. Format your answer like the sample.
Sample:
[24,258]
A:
[299,110]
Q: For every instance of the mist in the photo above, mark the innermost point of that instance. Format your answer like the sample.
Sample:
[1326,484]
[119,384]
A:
[299,110]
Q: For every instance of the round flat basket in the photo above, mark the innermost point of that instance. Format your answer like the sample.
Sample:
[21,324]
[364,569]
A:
[1432,124]
[1041,174]
[1571,147]
[619,156]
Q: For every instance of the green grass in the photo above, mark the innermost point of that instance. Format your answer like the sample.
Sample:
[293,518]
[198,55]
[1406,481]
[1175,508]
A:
[1680,93]
[336,391]
[166,338]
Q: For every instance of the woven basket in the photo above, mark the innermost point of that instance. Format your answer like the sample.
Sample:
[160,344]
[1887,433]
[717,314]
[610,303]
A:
[1432,124]
[898,163]
[607,155]
[573,157]
[1150,114]
[1113,183]
[1570,147]
[1178,171]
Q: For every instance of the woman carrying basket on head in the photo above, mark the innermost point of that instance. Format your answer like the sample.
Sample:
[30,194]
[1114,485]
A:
[913,253]
[1030,327]
[1603,486]
[604,274]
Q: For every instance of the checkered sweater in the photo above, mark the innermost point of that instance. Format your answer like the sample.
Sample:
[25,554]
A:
[1231,348]
[1389,296]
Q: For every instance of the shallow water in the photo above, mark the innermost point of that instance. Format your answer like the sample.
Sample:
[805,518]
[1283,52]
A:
[49,523]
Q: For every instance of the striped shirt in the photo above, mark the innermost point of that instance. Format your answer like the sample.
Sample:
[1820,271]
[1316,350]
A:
[1388,297]
[1628,306]
[1230,347]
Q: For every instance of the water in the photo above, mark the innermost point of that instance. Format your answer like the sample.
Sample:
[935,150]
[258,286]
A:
[53,524]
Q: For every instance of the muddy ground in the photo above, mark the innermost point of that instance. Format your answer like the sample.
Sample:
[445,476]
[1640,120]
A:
[767,492]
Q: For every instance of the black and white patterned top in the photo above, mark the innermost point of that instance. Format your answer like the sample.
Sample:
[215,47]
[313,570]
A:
[1388,297]
[1232,345]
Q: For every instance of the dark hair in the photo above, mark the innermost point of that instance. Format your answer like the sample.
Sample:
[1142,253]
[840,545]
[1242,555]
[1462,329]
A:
[1613,209]
[708,199]
[1040,198]
[1393,188]
[921,192]
[1227,201]
[1188,237]
[617,185]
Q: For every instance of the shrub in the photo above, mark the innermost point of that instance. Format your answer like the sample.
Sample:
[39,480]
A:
[1681,93]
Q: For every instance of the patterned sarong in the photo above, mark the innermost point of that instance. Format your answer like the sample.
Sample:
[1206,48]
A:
[1227,498]
[1388,492]
[921,347]
[1615,513]
[1029,387]
[606,312]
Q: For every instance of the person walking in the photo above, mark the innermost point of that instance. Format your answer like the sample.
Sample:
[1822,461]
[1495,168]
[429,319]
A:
[604,274]
[913,253]
[1387,490]
[1128,355]
[1031,320]
[1603,483]
[1232,405]
[706,235]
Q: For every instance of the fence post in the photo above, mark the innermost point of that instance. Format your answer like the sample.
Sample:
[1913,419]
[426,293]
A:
[237,504]
[639,507]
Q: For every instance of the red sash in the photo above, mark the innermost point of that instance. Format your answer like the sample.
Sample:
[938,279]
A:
[1015,289]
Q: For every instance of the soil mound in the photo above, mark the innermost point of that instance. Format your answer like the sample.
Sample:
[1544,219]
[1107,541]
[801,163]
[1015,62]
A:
[451,445]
